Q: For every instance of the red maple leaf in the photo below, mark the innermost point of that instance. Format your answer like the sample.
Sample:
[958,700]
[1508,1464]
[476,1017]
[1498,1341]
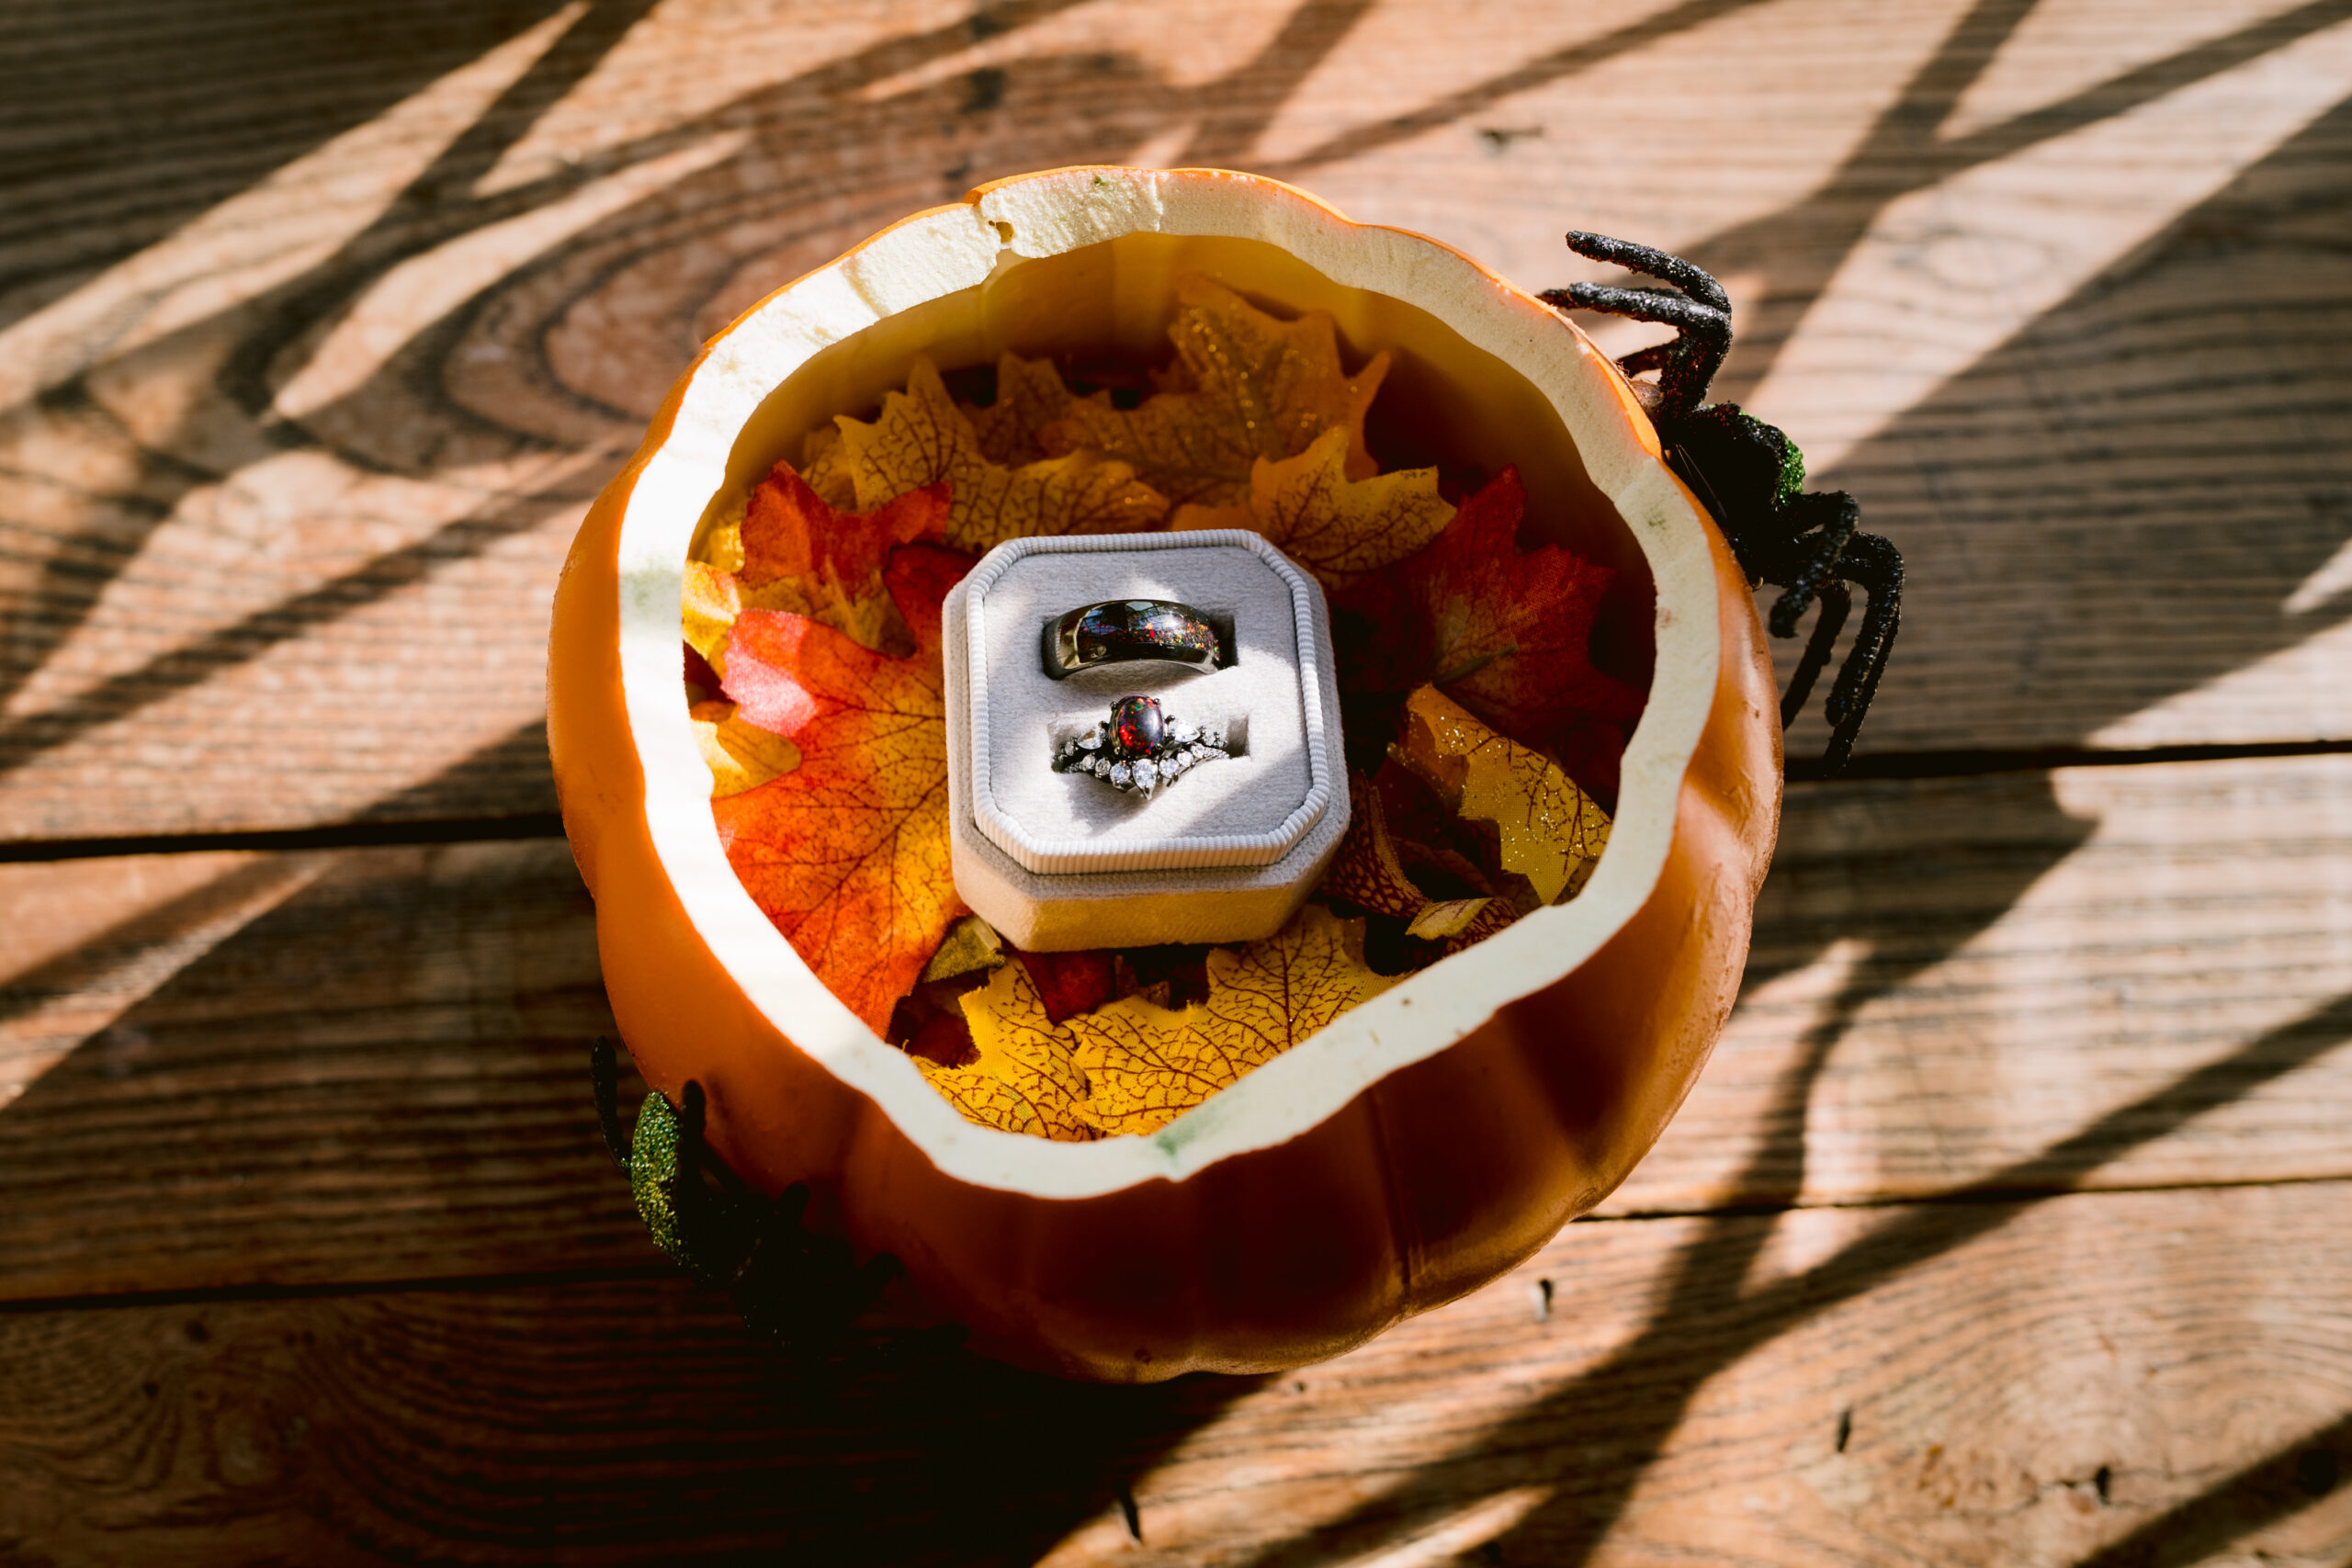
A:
[789,531]
[1507,634]
[848,854]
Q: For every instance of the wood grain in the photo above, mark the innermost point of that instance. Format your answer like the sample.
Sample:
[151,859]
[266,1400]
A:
[2011,1385]
[297,408]
[367,1064]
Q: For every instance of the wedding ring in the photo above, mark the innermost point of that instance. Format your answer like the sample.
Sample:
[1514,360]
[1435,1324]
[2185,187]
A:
[1123,631]
[1141,748]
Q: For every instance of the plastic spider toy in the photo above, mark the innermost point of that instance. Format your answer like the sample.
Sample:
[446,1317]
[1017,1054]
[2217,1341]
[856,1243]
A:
[1752,479]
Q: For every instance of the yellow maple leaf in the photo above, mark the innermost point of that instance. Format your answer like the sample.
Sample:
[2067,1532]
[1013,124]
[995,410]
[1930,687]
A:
[1336,527]
[1246,386]
[1552,832]
[1147,1065]
[922,438]
[824,463]
[741,755]
[711,604]
[1039,1088]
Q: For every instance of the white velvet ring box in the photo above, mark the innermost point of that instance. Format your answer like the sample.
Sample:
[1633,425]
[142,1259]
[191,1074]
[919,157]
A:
[1226,853]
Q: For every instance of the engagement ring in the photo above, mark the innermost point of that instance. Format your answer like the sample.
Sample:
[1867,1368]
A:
[1139,748]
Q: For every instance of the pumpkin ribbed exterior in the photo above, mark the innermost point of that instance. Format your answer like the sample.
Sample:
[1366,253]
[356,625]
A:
[1423,1183]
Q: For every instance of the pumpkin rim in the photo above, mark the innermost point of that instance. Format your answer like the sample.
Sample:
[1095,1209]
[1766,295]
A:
[945,249]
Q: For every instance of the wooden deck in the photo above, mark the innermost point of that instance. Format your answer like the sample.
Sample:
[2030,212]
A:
[2008,1227]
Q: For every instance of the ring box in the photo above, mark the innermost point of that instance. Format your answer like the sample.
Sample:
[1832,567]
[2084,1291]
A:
[1225,853]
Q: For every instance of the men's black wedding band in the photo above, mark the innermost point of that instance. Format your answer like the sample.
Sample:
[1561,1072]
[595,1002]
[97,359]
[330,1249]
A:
[1126,631]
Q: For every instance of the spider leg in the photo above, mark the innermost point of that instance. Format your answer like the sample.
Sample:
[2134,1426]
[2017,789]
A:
[604,1079]
[1657,356]
[1874,565]
[1835,603]
[1694,356]
[1843,514]
[1694,281]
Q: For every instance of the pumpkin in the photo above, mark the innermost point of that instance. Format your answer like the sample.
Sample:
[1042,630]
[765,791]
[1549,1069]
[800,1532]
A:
[1422,1145]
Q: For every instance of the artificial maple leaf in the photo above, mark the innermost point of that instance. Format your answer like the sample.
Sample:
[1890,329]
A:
[1146,1064]
[1030,395]
[1366,871]
[922,438]
[1370,872]
[1551,833]
[1337,528]
[1070,981]
[741,755]
[791,549]
[711,603]
[824,463]
[848,854]
[1507,634]
[971,944]
[1038,1088]
[1246,386]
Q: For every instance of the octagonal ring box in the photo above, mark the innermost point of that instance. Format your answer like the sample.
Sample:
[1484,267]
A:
[1057,862]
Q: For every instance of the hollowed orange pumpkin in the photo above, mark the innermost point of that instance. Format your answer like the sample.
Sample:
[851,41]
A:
[1423,1143]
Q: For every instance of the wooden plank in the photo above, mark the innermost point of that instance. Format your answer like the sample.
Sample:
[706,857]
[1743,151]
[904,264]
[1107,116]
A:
[285,475]
[2013,1385]
[367,1064]
[349,1064]
[1949,975]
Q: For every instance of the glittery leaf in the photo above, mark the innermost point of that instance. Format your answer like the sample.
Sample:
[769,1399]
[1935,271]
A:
[848,854]
[1029,396]
[1246,386]
[1551,833]
[1336,527]
[922,438]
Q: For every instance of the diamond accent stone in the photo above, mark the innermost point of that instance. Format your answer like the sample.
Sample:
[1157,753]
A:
[1184,733]
[1121,774]
[1147,772]
[1102,766]
[1091,740]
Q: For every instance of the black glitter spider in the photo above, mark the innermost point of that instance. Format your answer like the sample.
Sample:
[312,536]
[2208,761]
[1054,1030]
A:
[1752,479]
[794,1288]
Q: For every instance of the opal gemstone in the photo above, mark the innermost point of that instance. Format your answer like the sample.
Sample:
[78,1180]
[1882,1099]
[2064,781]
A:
[1137,726]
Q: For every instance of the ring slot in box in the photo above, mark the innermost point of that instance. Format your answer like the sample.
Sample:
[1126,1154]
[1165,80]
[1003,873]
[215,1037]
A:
[1226,852]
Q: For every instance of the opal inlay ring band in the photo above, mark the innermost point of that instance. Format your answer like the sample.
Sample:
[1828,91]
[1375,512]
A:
[1140,748]
[1122,631]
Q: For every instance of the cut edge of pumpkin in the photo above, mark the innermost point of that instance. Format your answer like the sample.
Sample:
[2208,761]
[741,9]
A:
[940,252]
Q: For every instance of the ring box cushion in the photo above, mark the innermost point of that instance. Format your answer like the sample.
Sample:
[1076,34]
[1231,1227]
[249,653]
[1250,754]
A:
[1225,853]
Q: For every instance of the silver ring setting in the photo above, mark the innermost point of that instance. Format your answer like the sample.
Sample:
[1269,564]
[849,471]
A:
[1125,631]
[1139,749]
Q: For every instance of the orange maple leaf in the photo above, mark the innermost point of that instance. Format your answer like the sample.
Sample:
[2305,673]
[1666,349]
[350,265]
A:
[922,438]
[848,854]
[1507,634]
[1336,527]
[1246,385]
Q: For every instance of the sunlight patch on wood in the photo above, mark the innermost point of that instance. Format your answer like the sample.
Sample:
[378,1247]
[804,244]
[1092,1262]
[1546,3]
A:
[1949,273]
[426,288]
[156,926]
[268,235]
